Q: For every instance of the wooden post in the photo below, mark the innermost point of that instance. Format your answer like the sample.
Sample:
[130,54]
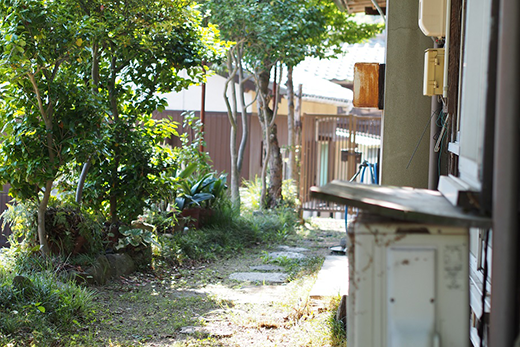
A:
[298,142]
[203,109]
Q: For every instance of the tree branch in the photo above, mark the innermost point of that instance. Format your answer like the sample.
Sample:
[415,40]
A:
[57,66]
[232,74]
[38,95]
[245,119]
[276,97]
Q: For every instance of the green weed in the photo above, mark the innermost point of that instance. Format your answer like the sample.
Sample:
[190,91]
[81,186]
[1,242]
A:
[227,232]
[338,335]
[36,307]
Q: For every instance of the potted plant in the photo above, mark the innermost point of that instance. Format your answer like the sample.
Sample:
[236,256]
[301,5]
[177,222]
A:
[194,197]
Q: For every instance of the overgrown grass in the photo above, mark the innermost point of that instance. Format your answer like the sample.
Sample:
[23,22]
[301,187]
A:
[338,335]
[227,232]
[39,308]
[157,311]
[36,307]
[295,268]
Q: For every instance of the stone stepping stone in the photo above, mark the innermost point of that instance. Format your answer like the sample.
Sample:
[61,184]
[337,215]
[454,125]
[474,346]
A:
[271,277]
[191,330]
[208,331]
[293,249]
[266,268]
[288,255]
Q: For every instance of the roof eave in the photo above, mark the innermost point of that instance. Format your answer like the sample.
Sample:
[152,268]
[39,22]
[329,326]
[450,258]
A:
[358,6]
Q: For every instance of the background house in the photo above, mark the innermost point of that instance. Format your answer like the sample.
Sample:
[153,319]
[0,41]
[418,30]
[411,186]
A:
[323,97]
[332,131]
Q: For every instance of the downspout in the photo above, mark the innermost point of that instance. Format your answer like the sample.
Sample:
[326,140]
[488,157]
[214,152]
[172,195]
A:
[433,165]
[447,49]
[504,298]
[378,8]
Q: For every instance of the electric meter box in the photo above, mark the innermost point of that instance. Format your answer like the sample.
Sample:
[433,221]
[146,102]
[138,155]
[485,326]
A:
[433,71]
[408,284]
[432,17]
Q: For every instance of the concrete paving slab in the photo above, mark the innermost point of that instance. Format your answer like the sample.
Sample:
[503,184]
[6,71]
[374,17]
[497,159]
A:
[268,277]
[249,293]
[332,279]
[266,267]
[293,249]
[288,255]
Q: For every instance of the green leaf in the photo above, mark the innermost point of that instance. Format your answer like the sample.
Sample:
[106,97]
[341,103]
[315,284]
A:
[188,170]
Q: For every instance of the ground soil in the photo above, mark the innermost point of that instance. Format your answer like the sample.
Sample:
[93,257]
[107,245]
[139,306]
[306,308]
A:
[198,305]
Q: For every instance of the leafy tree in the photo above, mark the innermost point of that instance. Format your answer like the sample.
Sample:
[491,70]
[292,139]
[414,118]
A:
[138,48]
[248,26]
[48,115]
[76,73]
[234,26]
[144,166]
[322,32]
[267,33]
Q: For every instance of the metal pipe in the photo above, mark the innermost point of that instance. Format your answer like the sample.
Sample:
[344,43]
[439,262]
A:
[433,166]
[504,298]
[379,9]
[447,49]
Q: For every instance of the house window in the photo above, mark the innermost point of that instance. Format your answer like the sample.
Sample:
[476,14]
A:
[473,95]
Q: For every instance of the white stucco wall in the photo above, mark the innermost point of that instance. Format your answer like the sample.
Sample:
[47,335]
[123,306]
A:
[190,99]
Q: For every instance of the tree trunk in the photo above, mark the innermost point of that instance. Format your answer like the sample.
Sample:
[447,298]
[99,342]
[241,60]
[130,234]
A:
[273,157]
[275,169]
[235,174]
[115,118]
[94,75]
[232,117]
[245,118]
[113,191]
[42,208]
[81,181]
[298,140]
[291,165]
[262,88]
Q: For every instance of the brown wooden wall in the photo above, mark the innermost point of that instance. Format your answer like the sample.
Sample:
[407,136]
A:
[217,136]
[256,142]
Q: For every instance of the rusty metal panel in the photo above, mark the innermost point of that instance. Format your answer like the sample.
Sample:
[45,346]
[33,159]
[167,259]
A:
[366,85]
[329,136]
[360,6]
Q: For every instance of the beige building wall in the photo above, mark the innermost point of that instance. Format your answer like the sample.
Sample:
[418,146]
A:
[255,139]
[310,107]
[407,111]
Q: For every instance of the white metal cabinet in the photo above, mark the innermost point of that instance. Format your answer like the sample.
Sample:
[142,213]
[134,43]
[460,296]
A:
[418,258]
[408,285]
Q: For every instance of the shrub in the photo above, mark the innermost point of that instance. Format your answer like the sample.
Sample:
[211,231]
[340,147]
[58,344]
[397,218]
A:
[227,232]
[251,191]
[70,230]
[35,306]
